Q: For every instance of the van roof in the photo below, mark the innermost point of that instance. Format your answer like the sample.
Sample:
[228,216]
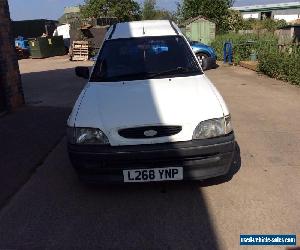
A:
[142,29]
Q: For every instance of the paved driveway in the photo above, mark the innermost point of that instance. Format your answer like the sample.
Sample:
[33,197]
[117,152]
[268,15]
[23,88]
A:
[28,135]
[54,210]
[51,82]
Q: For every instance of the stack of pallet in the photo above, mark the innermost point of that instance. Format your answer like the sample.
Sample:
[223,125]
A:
[80,51]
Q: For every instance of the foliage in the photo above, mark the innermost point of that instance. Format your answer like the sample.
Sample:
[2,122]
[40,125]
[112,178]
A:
[95,8]
[234,20]
[266,24]
[150,12]
[225,18]
[165,15]
[217,11]
[178,14]
[244,45]
[125,10]
[280,64]
[284,65]
[249,24]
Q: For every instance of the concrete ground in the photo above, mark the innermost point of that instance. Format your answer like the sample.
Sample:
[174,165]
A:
[28,135]
[51,82]
[54,210]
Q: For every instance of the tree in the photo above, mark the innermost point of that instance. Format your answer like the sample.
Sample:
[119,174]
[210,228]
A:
[178,14]
[95,8]
[150,12]
[217,11]
[164,15]
[234,20]
[125,10]
[268,24]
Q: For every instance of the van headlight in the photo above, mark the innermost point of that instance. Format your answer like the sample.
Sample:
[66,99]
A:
[213,128]
[83,136]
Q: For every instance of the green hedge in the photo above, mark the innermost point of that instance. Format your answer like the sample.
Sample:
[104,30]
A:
[284,65]
[243,45]
[281,65]
[237,40]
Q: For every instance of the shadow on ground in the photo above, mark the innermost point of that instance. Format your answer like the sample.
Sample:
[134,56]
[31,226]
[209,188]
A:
[67,214]
[58,211]
[27,136]
[54,210]
[53,88]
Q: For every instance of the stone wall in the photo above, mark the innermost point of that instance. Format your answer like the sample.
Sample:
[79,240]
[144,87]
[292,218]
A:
[11,92]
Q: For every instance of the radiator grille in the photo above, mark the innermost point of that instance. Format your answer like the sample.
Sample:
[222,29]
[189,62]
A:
[149,132]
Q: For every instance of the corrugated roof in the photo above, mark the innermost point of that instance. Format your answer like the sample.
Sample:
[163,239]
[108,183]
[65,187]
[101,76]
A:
[241,3]
[279,5]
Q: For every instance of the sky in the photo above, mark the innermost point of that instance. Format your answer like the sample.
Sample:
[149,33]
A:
[53,9]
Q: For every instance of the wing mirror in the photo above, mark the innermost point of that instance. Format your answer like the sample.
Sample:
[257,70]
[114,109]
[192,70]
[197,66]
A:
[82,72]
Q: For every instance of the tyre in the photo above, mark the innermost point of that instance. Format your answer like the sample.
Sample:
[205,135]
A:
[201,56]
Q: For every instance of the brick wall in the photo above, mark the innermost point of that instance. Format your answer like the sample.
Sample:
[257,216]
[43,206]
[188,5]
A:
[11,92]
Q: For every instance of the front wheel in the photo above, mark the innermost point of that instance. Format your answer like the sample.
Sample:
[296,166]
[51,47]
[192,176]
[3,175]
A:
[201,56]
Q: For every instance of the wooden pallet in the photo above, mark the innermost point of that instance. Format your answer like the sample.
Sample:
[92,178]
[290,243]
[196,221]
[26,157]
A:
[80,51]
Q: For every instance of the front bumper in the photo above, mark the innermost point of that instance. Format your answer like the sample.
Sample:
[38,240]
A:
[200,159]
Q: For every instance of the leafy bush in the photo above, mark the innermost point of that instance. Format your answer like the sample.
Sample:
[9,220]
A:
[284,65]
[237,40]
[267,24]
[276,63]
[243,45]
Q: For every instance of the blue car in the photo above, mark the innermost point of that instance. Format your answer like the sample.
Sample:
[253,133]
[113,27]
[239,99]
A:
[205,54]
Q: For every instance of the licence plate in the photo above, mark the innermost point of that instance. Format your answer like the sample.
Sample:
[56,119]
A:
[155,174]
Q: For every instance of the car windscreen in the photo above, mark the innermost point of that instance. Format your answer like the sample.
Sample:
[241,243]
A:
[144,58]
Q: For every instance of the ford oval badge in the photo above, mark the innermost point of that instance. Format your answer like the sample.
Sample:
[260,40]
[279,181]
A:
[150,133]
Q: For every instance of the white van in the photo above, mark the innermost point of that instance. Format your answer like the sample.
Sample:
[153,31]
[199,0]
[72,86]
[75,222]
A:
[148,112]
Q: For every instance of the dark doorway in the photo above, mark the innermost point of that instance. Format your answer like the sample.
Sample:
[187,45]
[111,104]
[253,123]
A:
[266,15]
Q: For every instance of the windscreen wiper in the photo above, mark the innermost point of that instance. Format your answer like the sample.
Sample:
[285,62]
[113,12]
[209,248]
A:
[127,77]
[147,75]
[175,70]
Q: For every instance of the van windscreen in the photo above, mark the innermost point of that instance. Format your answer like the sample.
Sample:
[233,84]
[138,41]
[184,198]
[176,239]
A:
[144,58]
